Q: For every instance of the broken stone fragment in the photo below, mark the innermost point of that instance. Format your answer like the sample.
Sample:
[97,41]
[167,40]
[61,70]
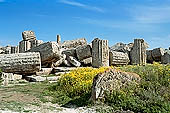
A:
[74,61]
[112,80]
[21,63]
[100,53]
[70,52]
[149,56]
[28,35]
[87,61]
[74,43]
[44,71]
[165,59]
[83,52]
[60,61]
[11,76]
[49,52]
[121,47]
[157,53]
[118,58]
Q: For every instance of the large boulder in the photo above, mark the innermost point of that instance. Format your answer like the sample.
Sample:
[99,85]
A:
[74,43]
[118,58]
[121,47]
[84,52]
[157,53]
[110,80]
[22,63]
[28,35]
[49,51]
[165,59]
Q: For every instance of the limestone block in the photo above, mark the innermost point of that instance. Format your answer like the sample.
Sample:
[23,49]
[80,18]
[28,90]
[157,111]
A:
[84,52]
[35,43]
[100,53]
[44,71]
[118,58]
[87,61]
[14,49]
[74,43]
[49,52]
[70,52]
[149,56]
[157,53]
[28,35]
[74,61]
[121,47]
[165,59]
[112,80]
[22,63]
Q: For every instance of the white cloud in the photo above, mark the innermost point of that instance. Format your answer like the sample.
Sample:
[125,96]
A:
[78,4]
[150,14]
[2,0]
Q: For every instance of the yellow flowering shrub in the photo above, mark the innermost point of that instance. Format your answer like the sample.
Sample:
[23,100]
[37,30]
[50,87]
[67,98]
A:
[79,81]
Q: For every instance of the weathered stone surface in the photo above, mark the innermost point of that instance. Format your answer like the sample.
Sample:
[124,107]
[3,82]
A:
[24,46]
[28,35]
[35,78]
[49,52]
[157,53]
[74,43]
[44,71]
[149,56]
[100,53]
[112,80]
[121,47]
[70,52]
[11,76]
[87,62]
[6,49]
[83,52]
[118,58]
[23,63]
[74,61]
[14,49]
[35,43]
[138,52]
[63,69]
[60,61]
[165,59]
[67,63]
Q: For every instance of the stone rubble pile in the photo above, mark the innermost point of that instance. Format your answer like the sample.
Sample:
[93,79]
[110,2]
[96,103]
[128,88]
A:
[33,56]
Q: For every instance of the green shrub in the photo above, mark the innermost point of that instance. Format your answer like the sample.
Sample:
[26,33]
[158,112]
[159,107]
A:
[152,95]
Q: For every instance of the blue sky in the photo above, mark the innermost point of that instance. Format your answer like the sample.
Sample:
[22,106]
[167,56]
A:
[114,20]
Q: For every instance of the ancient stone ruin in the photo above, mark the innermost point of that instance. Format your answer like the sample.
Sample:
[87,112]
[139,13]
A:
[34,57]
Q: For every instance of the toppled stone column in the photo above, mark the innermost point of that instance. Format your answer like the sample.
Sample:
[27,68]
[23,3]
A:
[22,63]
[138,52]
[74,43]
[24,46]
[157,53]
[28,35]
[166,58]
[100,53]
[84,52]
[118,58]
[49,52]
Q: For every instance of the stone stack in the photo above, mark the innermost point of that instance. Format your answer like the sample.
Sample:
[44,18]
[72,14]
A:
[29,41]
[138,52]
[100,53]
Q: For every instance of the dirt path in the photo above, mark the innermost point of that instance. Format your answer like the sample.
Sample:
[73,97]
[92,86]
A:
[28,98]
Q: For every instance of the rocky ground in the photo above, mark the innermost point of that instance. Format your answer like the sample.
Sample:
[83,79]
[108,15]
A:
[28,98]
